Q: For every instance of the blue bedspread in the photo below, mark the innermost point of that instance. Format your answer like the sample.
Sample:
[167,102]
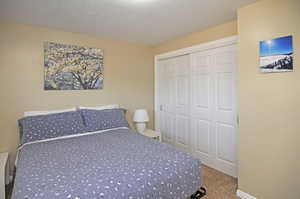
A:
[114,164]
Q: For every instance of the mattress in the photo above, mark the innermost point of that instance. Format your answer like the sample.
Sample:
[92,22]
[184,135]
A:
[117,163]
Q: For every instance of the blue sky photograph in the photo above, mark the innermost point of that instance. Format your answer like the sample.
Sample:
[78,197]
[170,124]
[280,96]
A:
[278,46]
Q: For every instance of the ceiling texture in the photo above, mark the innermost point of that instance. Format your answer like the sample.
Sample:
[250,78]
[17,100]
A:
[149,22]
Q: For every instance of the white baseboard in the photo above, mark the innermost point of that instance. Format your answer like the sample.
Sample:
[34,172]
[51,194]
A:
[244,195]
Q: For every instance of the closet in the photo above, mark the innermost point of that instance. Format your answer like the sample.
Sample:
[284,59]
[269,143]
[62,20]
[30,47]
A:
[195,102]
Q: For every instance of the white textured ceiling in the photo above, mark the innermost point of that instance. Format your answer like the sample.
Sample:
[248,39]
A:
[144,21]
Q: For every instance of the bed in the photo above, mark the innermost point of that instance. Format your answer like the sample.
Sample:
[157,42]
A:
[112,162]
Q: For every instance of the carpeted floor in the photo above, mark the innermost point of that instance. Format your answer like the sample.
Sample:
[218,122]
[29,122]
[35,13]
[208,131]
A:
[219,185]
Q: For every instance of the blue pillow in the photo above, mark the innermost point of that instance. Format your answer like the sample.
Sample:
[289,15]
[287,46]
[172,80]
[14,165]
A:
[50,126]
[96,120]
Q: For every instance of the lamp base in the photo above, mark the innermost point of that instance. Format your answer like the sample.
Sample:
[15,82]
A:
[140,127]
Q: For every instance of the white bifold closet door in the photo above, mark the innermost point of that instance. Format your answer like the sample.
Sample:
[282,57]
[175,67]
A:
[175,101]
[213,108]
[197,105]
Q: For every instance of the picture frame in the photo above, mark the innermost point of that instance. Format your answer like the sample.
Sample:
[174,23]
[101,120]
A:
[71,67]
[276,55]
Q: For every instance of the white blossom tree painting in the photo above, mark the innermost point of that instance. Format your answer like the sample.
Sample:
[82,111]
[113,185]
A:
[70,67]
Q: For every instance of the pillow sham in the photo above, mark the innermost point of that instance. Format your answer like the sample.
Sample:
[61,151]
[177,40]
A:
[34,113]
[111,106]
[50,126]
[96,120]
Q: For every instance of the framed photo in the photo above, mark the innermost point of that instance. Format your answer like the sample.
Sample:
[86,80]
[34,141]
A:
[70,67]
[276,55]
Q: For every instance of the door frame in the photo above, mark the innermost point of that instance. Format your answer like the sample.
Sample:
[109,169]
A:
[227,41]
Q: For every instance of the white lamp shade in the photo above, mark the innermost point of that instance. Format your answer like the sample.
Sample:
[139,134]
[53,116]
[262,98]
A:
[140,115]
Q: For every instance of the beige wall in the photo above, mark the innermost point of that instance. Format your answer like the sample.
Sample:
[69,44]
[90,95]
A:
[269,104]
[210,34]
[128,76]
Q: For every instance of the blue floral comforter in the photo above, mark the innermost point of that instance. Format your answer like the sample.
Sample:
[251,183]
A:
[114,164]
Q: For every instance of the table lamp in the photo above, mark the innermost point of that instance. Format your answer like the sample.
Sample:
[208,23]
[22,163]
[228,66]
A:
[140,118]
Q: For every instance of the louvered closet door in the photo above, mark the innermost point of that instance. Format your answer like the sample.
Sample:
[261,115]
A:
[213,108]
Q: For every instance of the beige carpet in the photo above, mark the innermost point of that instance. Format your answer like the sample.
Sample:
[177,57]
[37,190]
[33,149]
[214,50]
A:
[219,185]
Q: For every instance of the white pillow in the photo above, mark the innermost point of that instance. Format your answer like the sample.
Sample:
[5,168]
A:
[111,106]
[34,113]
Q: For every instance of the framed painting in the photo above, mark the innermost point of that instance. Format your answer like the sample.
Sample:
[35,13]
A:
[70,67]
[276,55]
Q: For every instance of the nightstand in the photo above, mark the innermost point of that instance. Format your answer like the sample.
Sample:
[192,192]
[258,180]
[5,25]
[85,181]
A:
[152,134]
[3,173]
